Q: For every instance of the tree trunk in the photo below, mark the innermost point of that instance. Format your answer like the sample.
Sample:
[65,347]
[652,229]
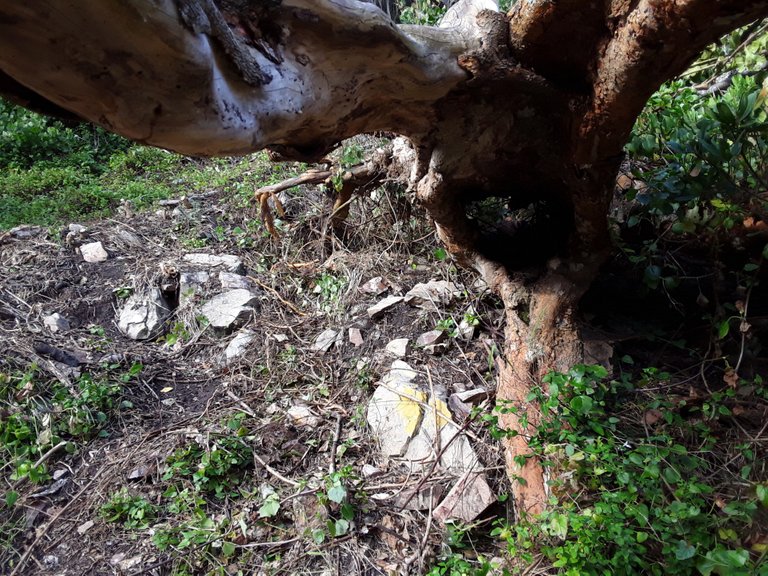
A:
[515,123]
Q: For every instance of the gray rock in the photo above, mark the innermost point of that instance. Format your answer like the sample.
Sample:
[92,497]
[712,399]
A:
[76,228]
[431,338]
[56,322]
[440,436]
[326,339]
[469,497]
[93,252]
[144,314]
[384,306]
[461,403]
[375,286]
[223,261]
[232,281]
[432,295]
[25,232]
[425,498]
[238,345]
[227,310]
[397,347]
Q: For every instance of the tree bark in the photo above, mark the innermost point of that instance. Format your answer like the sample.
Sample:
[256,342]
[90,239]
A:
[522,115]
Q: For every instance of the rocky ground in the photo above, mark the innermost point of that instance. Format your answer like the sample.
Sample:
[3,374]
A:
[343,380]
[182,393]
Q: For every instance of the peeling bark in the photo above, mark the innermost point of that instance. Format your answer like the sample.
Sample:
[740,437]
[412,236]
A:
[524,111]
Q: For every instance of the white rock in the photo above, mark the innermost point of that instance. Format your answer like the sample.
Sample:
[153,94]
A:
[356,337]
[326,339]
[56,322]
[384,306]
[400,372]
[227,262]
[394,415]
[238,345]
[76,228]
[426,498]
[432,294]
[85,526]
[232,281]
[397,347]
[224,311]
[371,471]
[303,416]
[467,499]
[438,434]
[143,315]
[93,252]
[375,286]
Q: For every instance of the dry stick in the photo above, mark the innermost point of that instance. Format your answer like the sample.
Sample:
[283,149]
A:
[335,445]
[274,472]
[44,530]
[309,177]
[280,298]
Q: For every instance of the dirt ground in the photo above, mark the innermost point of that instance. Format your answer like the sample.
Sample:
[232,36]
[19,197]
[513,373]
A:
[185,393]
[178,393]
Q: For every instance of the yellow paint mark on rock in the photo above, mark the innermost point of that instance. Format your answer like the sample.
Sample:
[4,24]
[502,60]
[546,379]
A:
[409,408]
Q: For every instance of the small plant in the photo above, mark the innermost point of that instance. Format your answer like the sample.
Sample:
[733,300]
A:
[644,504]
[134,512]
[330,289]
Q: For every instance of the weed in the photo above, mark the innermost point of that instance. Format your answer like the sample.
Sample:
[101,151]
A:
[645,504]
[134,512]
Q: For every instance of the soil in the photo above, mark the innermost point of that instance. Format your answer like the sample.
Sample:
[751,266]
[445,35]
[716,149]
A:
[186,395]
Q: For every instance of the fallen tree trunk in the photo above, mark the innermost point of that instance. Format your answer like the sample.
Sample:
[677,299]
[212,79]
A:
[515,123]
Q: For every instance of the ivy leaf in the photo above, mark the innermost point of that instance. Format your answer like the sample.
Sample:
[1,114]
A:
[270,507]
[684,551]
[337,493]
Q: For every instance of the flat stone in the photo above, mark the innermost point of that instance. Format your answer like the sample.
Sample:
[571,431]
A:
[326,339]
[400,372]
[469,497]
[370,471]
[76,228]
[461,403]
[238,345]
[432,295]
[440,435]
[356,337]
[227,262]
[144,314]
[397,347]
[303,416]
[430,338]
[375,286]
[25,231]
[425,498]
[229,309]
[85,526]
[384,306]
[93,252]
[56,322]
[394,415]
[232,281]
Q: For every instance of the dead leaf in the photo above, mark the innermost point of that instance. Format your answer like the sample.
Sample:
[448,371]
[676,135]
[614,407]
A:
[731,378]
[652,416]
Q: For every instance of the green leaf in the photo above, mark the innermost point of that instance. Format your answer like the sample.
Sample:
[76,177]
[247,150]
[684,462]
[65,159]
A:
[270,507]
[582,404]
[723,330]
[721,561]
[228,549]
[762,493]
[558,525]
[337,493]
[11,497]
[684,551]
[341,527]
